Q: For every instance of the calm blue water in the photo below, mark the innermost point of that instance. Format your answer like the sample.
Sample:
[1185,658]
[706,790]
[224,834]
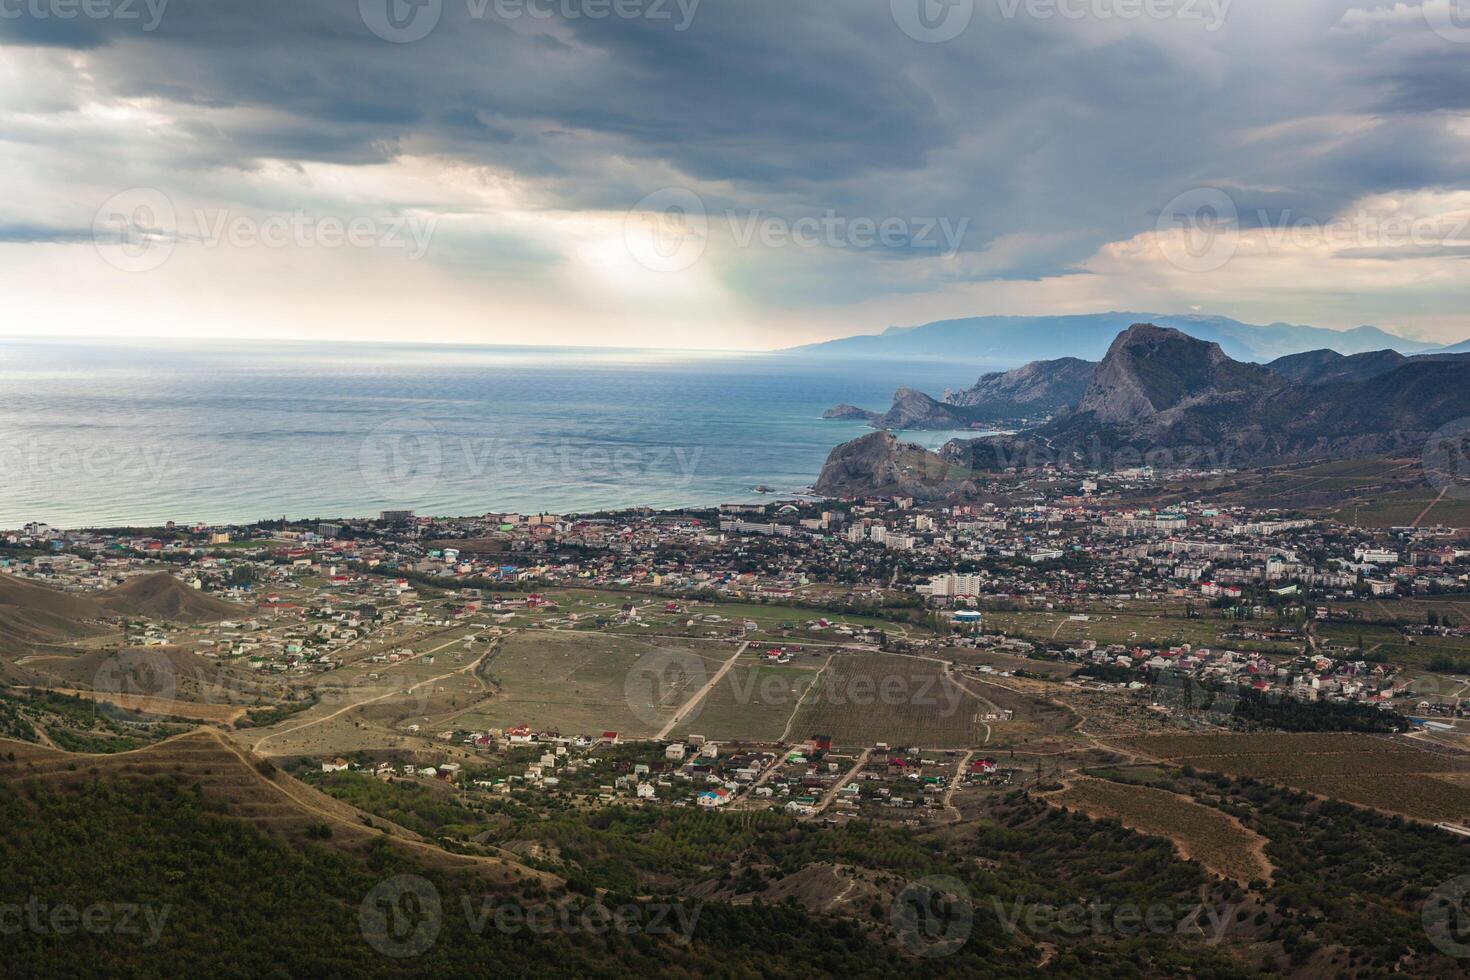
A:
[95,434]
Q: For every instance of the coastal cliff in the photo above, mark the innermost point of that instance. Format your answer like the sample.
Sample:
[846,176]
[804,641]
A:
[880,464]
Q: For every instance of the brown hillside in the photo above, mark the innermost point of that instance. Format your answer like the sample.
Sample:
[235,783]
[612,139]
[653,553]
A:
[165,672]
[161,596]
[32,614]
[247,788]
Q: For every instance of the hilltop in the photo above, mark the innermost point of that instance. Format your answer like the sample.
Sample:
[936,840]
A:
[1154,371]
[159,595]
[1163,396]
[879,463]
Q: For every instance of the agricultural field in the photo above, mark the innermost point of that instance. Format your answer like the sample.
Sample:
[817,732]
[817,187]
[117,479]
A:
[1402,508]
[868,698]
[1432,797]
[754,702]
[1156,625]
[1199,833]
[1390,644]
[1414,610]
[1379,621]
[774,623]
[587,609]
[579,682]
[1386,774]
[1333,485]
[222,714]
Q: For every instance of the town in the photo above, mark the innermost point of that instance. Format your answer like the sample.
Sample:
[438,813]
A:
[1164,618]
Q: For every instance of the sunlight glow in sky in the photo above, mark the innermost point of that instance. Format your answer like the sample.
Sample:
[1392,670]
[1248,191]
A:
[766,175]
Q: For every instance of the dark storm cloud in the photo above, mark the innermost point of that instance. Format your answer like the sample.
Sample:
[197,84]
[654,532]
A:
[1069,134]
[1437,81]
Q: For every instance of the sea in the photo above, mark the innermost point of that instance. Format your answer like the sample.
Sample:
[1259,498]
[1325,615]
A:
[110,433]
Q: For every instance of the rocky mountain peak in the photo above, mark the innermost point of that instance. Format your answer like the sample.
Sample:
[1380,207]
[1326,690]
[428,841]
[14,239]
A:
[1150,370]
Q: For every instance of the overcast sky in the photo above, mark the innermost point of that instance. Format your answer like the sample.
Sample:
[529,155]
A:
[726,173]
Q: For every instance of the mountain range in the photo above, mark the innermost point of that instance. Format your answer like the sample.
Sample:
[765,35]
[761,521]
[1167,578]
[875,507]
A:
[1043,388]
[1019,339]
[1162,397]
